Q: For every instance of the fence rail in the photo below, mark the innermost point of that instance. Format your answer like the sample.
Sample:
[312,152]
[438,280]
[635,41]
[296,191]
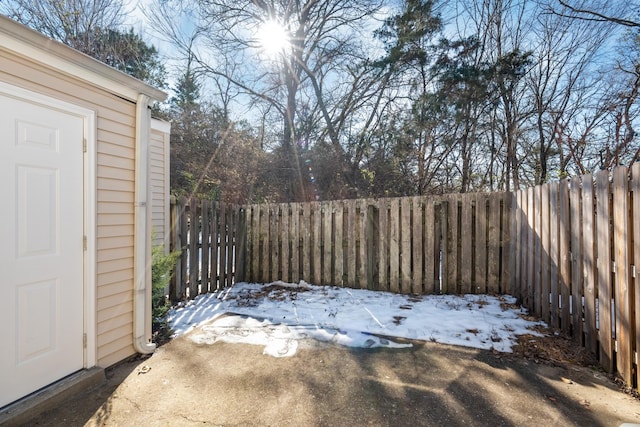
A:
[569,251]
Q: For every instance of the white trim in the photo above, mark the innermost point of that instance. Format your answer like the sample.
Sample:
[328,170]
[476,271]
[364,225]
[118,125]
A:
[27,43]
[89,267]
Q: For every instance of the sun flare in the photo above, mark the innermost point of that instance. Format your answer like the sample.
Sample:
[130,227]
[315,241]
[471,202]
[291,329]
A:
[273,37]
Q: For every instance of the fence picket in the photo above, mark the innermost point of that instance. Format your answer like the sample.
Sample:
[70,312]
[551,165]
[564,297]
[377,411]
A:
[405,245]
[493,244]
[537,251]
[520,239]
[285,239]
[306,241]
[555,254]
[214,230]
[383,246]
[466,244]
[394,245]
[265,247]
[352,243]
[453,245]
[623,308]
[204,250]
[327,234]
[363,237]
[604,270]
[416,243]
[338,246]
[634,186]
[430,254]
[194,230]
[316,226]
[589,264]
[576,259]
[545,270]
[565,255]
[481,243]
[294,235]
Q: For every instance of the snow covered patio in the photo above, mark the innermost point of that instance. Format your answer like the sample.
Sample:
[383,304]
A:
[280,315]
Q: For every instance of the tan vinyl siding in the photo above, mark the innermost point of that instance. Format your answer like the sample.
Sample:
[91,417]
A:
[158,185]
[115,196]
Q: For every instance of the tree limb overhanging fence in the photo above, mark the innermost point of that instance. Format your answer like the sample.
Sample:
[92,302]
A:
[568,251]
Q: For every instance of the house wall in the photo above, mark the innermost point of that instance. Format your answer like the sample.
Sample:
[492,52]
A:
[115,195]
[159,182]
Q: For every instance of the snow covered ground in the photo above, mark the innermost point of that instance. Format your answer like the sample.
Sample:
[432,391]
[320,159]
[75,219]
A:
[279,316]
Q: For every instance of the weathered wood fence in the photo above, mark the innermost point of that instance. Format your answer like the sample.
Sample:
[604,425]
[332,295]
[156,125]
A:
[576,248]
[451,244]
[569,251]
[210,236]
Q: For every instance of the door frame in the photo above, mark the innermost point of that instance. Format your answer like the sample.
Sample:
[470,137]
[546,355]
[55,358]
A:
[90,191]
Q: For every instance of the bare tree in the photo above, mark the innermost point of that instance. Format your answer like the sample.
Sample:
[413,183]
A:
[73,22]
[325,37]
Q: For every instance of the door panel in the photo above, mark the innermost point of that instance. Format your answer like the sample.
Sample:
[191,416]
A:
[41,246]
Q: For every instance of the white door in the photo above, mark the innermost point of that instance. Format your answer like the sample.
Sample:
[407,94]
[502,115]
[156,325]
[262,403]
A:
[41,246]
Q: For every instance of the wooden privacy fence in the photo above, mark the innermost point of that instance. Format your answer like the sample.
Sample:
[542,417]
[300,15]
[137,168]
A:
[576,258]
[450,244]
[210,236]
[569,251]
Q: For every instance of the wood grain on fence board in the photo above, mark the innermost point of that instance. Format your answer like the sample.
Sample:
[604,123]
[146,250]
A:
[622,291]
[306,242]
[394,245]
[554,263]
[371,242]
[429,231]
[576,259]
[545,270]
[453,245]
[466,244]
[493,243]
[222,245]
[416,245]
[405,245]
[316,225]
[604,270]
[296,250]
[205,250]
[352,239]
[265,245]
[240,246]
[383,246]
[537,251]
[193,247]
[230,234]
[531,239]
[481,243]
[214,230]
[634,187]
[506,244]
[589,264]
[327,212]
[362,262]
[284,238]
[520,238]
[338,247]
[565,255]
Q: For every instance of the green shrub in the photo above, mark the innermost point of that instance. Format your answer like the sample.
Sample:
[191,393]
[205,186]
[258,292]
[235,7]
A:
[161,272]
